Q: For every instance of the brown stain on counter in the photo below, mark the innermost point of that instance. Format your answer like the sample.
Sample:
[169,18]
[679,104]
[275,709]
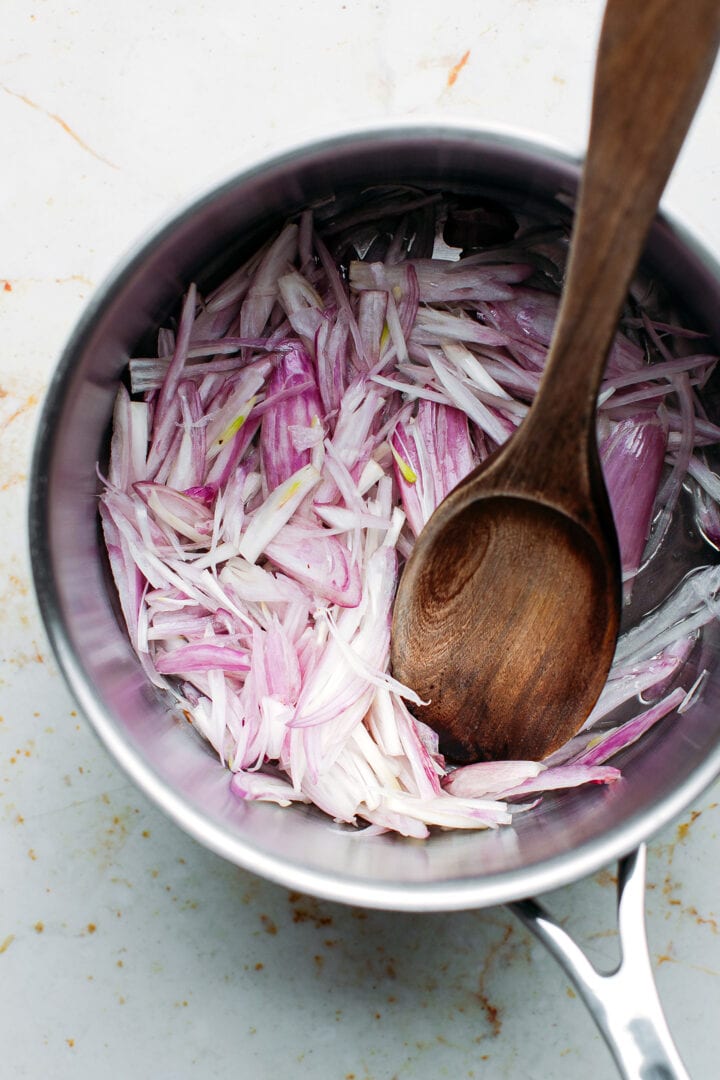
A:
[60,122]
[457,68]
[17,405]
[23,659]
[30,402]
[308,909]
[268,925]
[19,586]
[702,920]
[605,878]
[29,282]
[493,1013]
[671,887]
[667,850]
[12,480]
[684,827]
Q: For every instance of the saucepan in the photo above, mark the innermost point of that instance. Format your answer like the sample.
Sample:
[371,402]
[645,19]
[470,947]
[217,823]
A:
[563,839]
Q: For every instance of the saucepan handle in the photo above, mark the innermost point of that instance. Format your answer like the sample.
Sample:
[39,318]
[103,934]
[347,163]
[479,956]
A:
[624,1003]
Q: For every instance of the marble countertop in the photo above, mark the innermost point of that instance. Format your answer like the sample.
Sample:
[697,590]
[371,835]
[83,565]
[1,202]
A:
[126,949]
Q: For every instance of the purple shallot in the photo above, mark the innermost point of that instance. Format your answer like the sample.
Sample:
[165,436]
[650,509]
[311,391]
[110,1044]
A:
[272,467]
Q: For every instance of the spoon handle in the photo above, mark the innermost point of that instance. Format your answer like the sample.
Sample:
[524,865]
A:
[654,59]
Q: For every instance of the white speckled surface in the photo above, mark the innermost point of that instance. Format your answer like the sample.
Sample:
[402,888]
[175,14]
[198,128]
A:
[126,950]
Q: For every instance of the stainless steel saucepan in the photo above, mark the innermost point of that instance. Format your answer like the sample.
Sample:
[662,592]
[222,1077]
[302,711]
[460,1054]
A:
[565,838]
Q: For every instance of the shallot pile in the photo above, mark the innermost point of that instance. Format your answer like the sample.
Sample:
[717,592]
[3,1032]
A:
[272,466]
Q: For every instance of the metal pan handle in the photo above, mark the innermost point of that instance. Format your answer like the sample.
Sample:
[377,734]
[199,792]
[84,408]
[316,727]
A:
[624,1003]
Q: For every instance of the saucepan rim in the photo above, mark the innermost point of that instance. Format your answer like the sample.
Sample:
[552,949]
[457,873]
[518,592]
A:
[482,890]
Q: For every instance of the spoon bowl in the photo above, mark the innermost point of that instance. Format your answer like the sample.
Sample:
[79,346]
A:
[522,570]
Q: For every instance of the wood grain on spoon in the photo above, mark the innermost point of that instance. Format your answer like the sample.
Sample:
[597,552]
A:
[508,610]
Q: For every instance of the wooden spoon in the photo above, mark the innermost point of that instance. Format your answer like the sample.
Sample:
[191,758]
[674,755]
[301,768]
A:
[507,613]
